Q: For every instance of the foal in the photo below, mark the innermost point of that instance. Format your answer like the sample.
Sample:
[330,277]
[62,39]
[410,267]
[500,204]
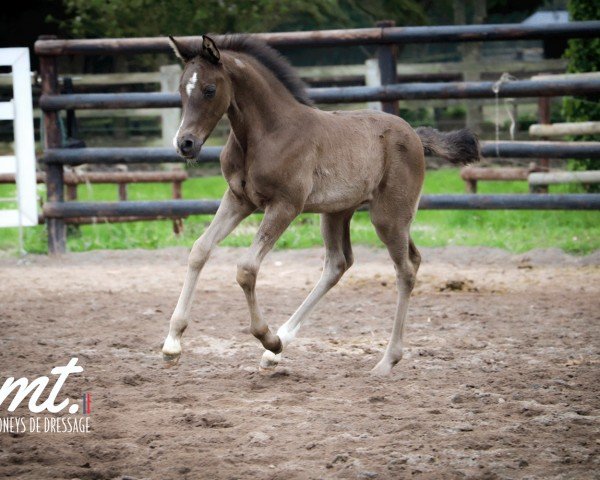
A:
[285,156]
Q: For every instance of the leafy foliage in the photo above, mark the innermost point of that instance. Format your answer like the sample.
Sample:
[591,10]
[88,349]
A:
[134,18]
[584,56]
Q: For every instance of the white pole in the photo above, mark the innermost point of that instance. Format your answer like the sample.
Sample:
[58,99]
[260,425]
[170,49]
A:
[169,83]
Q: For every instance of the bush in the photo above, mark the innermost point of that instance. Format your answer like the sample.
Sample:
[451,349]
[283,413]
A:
[583,55]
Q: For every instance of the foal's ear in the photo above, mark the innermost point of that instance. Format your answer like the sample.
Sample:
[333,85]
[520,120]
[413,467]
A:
[210,50]
[184,52]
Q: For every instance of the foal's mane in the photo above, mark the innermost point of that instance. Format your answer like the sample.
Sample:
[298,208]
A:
[271,59]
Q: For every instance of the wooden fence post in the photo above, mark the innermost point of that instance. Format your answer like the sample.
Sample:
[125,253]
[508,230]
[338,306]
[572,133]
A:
[177,222]
[57,232]
[386,58]
[471,58]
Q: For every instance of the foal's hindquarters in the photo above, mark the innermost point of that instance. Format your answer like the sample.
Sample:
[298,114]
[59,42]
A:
[387,167]
[393,209]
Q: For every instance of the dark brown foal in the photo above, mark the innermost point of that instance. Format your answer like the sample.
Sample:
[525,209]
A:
[284,156]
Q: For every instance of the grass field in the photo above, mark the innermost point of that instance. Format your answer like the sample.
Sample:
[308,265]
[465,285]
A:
[516,231]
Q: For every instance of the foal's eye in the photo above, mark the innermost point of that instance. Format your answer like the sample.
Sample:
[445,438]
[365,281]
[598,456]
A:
[209,91]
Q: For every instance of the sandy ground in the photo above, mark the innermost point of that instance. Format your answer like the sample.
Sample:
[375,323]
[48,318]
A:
[500,377]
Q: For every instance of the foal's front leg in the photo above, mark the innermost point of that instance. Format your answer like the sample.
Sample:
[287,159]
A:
[277,218]
[230,213]
[335,228]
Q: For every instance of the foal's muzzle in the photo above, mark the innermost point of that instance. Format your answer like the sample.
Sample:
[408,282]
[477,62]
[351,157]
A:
[189,146]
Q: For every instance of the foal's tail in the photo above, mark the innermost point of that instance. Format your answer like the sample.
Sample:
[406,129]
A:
[459,147]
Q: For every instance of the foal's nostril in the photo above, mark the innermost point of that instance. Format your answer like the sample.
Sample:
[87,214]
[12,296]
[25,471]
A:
[186,145]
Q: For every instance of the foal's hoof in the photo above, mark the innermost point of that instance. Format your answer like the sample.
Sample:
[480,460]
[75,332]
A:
[383,369]
[171,359]
[269,360]
[171,351]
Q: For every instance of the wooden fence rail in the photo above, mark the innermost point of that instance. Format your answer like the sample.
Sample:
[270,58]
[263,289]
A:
[391,92]
[173,208]
[331,38]
[132,155]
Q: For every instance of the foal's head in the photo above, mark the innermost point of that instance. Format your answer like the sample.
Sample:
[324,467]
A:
[205,94]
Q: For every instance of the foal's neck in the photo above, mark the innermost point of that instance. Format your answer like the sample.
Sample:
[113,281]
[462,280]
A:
[260,102]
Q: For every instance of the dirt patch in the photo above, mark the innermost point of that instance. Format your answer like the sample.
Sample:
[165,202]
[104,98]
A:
[499,380]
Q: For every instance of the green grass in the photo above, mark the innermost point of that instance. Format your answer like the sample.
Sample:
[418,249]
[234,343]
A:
[516,231]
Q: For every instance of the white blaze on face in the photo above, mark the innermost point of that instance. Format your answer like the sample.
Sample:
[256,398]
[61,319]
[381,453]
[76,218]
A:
[189,88]
[191,84]
[177,133]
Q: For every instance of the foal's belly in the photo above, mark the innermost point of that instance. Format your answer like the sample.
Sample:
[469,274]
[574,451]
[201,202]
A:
[319,203]
[337,189]
[350,162]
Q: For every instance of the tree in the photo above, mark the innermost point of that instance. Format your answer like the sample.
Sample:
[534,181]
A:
[135,18]
[584,56]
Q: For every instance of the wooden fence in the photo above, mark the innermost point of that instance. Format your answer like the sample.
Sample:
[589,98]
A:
[384,36]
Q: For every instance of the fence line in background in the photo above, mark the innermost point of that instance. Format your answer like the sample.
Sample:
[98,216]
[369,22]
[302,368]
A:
[384,93]
[331,38]
[132,155]
[170,208]
[389,93]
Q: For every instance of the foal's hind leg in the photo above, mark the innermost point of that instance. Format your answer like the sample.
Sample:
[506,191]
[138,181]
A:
[230,213]
[335,229]
[394,232]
